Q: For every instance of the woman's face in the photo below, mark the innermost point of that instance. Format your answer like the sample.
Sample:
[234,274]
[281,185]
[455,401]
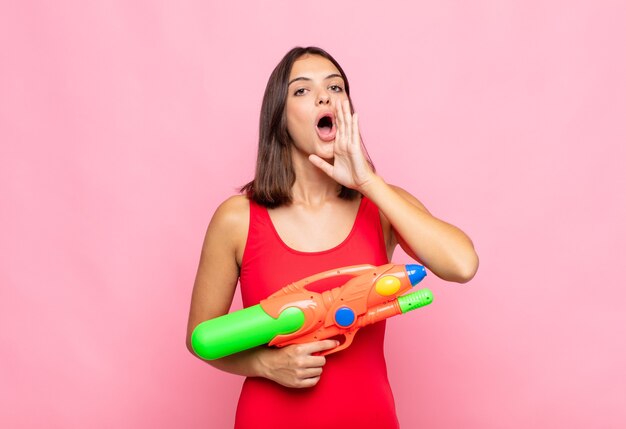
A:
[315,85]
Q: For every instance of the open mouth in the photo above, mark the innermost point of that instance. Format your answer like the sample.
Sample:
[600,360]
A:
[325,122]
[325,128]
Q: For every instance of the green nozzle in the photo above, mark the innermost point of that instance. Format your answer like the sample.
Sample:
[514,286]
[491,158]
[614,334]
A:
[415,300]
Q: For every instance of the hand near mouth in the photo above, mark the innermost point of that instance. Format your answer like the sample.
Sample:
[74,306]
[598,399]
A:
[350,166]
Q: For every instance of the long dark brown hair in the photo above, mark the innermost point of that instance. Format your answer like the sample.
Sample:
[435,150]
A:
[274,176]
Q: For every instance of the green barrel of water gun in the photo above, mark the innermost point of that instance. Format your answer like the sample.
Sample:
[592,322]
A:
[414,300]
[242,330]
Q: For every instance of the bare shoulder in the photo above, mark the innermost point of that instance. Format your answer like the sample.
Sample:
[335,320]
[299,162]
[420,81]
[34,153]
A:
[233,213]
[229,224]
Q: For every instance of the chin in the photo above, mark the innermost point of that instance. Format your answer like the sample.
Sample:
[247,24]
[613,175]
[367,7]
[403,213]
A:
[326,151]
[328,157]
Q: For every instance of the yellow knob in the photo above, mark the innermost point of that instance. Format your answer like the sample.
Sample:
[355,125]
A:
[388,285]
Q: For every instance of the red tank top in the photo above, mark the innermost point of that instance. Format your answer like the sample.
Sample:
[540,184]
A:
[353,391]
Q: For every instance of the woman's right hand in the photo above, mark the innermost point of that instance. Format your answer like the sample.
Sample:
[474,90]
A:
[295,365]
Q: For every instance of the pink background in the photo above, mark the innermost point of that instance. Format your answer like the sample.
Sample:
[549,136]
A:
[124,124]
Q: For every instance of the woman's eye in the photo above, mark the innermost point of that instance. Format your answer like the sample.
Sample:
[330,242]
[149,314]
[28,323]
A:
[336,88]
[299,91]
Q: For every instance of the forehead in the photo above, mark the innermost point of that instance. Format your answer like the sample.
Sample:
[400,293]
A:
[312,66]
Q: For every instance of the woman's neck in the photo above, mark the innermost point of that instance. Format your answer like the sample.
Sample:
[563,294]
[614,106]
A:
[312,186]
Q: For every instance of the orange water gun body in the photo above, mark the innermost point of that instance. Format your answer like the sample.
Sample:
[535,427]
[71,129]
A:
[295,315]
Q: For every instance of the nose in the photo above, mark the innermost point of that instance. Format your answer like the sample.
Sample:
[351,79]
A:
[323,98]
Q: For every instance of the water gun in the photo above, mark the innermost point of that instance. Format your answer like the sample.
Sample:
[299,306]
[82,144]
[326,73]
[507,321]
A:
[295,315]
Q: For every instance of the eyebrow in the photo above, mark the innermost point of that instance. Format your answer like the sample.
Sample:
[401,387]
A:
[330,76]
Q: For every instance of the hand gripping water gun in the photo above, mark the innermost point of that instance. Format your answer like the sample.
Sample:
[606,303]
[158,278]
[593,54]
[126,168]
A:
[295,315]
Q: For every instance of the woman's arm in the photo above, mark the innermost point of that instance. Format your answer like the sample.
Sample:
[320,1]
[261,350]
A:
[217,276]
[443,248]
[213,291]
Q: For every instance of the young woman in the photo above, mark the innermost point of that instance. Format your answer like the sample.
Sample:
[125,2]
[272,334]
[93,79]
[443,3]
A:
[315,204]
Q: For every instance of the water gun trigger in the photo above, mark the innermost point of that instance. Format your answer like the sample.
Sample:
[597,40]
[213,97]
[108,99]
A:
[347,340]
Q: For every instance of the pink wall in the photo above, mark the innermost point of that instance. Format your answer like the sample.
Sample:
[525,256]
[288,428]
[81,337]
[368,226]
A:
[124,124]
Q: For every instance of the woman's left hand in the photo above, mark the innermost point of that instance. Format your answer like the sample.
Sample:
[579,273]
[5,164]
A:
[350,166]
